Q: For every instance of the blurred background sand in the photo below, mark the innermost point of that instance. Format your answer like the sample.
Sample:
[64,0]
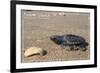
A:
[38,26]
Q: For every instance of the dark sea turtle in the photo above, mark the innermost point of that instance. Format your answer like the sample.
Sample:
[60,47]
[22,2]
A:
[74,42]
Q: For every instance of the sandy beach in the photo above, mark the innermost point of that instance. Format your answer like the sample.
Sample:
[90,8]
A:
[38,26]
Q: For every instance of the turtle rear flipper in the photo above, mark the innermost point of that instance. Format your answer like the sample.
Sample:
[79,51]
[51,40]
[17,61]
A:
[83,47]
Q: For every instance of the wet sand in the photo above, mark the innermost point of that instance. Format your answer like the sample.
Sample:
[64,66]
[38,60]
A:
[38,26]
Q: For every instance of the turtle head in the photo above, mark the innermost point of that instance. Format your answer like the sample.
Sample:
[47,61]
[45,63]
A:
[53,37]
[56,39]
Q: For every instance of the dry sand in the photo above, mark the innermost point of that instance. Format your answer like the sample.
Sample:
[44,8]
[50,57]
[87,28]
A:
[38,26]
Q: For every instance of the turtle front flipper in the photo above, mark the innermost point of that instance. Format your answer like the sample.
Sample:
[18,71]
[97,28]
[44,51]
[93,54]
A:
[66,47]
[63,46]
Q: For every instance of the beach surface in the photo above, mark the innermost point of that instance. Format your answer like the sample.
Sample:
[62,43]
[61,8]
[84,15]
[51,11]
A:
[38,26]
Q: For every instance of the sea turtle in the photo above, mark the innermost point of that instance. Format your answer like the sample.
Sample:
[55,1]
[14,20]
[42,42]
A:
[74,42]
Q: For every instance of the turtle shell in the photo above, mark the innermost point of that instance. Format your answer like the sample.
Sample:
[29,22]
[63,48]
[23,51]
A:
[68,39]
[73,39]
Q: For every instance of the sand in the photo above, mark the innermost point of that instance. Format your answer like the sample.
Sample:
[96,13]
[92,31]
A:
[38,26]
